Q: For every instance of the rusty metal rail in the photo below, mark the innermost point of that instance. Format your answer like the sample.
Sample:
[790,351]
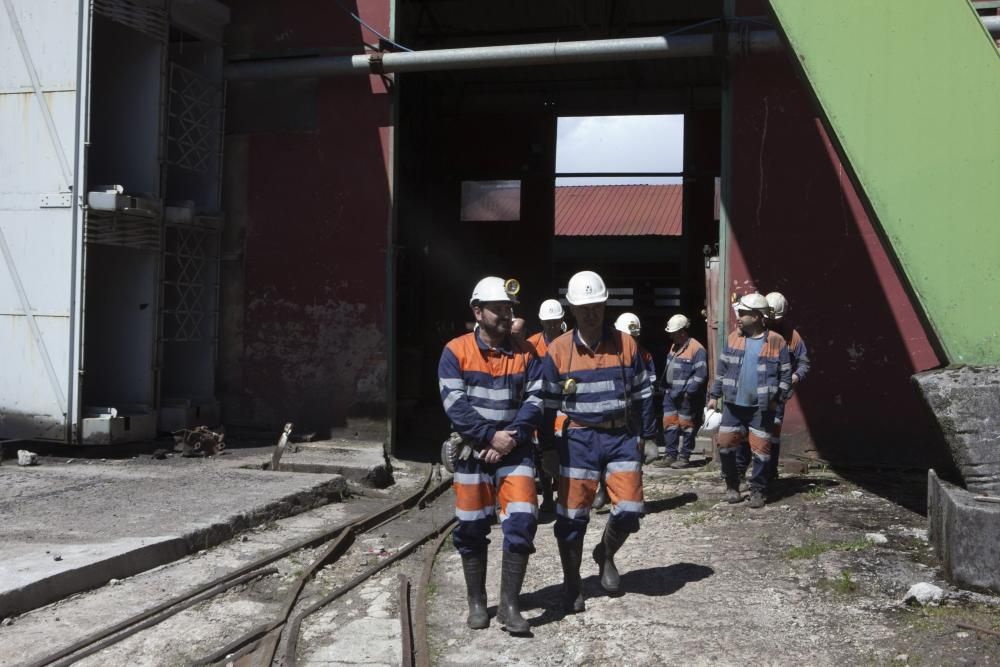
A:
[421,645]
[342,534]
[264,639]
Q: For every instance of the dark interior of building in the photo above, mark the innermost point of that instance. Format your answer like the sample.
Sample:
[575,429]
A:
[500,125]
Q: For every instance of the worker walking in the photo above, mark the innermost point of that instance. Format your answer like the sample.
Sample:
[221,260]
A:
[778,322]
[595,375]
[552,318]
[683,393]
[491,390]
[629,323]
[753,376]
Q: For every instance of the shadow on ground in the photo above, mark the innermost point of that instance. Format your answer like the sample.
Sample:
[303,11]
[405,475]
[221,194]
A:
[653,581]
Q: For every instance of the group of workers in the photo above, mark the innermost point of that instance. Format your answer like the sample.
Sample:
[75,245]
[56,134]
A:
[580,405]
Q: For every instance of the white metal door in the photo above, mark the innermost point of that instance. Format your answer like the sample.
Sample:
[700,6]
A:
[43,81]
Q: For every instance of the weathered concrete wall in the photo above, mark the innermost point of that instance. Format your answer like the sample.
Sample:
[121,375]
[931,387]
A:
[965,534]
[303,334]
[798,227]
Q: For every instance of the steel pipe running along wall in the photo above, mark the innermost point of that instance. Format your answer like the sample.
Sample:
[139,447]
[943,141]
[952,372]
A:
[550,53]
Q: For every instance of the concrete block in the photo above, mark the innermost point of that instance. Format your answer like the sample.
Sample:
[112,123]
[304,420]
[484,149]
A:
[793,467]
[965,534]
[966,403]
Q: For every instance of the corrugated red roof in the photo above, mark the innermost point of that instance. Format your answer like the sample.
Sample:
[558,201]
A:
[618,210]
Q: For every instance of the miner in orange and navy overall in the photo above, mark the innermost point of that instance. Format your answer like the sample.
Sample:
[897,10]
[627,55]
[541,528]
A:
[753,376]
[684,382]
[552,318]
[491,390]
[596,376]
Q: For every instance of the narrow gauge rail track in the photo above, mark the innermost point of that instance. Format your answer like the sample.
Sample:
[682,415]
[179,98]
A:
[258,646]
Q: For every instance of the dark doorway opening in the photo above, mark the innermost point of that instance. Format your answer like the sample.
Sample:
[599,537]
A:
[491,135]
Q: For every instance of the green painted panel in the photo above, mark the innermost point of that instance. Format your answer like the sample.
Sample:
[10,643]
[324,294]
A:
[911,91]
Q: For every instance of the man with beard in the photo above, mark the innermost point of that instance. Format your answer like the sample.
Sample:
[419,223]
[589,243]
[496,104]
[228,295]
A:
[596,376]
[491,391]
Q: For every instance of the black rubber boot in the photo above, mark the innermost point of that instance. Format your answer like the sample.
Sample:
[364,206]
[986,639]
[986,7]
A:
[604,556]
[474,567]
[571,555]
[511,577]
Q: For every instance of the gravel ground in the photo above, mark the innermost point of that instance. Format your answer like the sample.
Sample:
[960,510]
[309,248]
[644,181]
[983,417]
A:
[805,580]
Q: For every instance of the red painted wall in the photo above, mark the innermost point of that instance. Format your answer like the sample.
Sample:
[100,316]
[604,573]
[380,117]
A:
[317,206]
[798,227]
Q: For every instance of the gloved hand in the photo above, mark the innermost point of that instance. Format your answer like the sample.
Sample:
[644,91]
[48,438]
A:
[649,450]
[550,463]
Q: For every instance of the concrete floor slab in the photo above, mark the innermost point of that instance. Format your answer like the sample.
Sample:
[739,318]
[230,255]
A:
[65,528]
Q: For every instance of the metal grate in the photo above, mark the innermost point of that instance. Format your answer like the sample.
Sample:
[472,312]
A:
[122,230]
[194,130]
[151,21]
[190,265]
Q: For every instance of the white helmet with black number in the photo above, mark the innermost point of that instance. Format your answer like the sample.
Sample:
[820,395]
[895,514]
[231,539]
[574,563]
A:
[585,288]
[551,310]
[778,304]
[629,323]
[492,289]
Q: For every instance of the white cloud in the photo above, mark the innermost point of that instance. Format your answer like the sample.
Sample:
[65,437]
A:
[620,143]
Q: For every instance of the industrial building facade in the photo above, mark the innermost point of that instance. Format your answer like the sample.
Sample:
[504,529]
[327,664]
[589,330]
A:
[292,248]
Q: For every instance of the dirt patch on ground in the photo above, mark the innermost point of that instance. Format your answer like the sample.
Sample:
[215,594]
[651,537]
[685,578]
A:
[816,577]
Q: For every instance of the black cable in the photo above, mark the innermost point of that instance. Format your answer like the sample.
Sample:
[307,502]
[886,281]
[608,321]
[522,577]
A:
[371,29]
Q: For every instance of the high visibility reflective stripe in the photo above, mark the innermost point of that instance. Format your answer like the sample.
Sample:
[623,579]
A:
[729,358]
[491,394]
[451,383]
[729,382]
[534,386]
[623,466]
[520,508]
[578,473]
[466,515]
[730,429]
[628,506]
[572,513]
[639,379]
[472,478]
[759,433]
[595,387]
[452,398]
[597,407]
[699,364]
[533,400]
[786,367]
[517,470]
[495,415]
[553,387]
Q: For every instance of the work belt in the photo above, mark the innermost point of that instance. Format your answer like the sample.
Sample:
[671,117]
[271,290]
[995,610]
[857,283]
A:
[607,425]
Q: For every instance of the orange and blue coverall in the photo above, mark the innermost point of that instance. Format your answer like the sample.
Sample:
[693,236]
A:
[740,422]
[683,396]
[485,390]
[608,383]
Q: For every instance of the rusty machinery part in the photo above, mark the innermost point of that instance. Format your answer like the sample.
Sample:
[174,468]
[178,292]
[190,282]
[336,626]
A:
[265,638]
[200,441]
[295,624]
[129,626]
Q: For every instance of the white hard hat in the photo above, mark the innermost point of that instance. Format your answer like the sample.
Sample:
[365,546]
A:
[753,301]
[778,304]
[551,310]
[586,287]
[629,323]
[713,419]
[676,323]
[490,289]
